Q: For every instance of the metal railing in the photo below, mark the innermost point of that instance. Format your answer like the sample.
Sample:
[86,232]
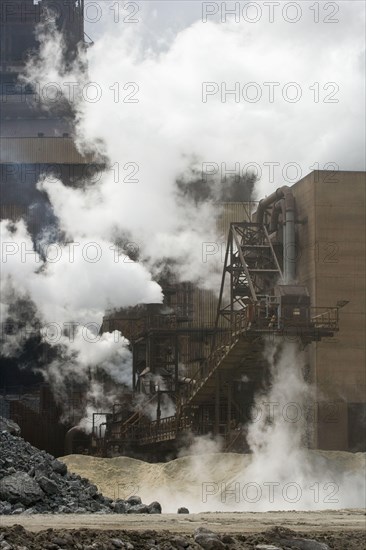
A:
[137,428]
[164,429]
[323,317]
[320,318]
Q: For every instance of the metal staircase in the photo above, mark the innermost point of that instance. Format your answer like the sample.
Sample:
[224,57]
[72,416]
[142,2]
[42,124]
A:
[248,312]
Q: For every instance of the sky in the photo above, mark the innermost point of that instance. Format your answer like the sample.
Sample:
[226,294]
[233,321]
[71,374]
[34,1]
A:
[297,70]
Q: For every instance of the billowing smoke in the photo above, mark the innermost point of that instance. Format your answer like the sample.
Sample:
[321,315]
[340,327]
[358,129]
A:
[70,275]
[280,472]
[68,287]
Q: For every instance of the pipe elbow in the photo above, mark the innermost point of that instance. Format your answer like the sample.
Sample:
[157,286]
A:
[289,198]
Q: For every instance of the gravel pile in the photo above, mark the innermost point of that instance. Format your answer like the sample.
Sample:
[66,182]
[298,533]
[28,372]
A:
[34,482]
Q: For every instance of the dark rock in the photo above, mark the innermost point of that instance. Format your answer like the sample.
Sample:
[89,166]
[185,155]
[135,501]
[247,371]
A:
[59,467]
[9,426]
[20,487]
[117,543]
[120,507]
[227,539]
[180,542]
[5,508]
[134,500]
[208,540]
[92,490]
[154,508]
[304,544]
[34,482]
[60,541]
[183,510]
[138,509]
[48,486]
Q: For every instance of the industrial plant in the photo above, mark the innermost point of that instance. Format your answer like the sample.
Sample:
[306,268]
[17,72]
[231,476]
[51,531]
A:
[293,270]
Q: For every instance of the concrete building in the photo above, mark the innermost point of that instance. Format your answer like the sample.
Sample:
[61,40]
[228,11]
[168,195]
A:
[331,263]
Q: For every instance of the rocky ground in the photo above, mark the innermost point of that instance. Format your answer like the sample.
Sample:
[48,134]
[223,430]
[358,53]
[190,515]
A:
[45,507]
[34,482]
[277,538]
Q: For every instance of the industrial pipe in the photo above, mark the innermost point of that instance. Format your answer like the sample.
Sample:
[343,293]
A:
[285,202]
[278,208]
[69,439]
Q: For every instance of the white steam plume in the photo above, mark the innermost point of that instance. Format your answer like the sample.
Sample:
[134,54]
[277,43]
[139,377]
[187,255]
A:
[71,292]
[280,473]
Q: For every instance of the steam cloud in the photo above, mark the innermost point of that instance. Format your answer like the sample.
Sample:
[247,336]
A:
[280,473]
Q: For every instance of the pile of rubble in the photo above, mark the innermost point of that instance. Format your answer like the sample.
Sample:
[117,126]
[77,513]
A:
[34,482]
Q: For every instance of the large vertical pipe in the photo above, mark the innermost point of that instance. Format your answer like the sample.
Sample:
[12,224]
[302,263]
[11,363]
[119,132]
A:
[289,237]
[282,199]
[290,250]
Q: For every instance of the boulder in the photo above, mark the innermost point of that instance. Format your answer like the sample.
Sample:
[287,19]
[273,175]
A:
[183,510]
[20,487]
[154,508]
[138,509]
[120,507]
[208,540]
[134,500]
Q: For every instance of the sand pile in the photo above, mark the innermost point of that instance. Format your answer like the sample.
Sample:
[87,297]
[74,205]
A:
[219,481]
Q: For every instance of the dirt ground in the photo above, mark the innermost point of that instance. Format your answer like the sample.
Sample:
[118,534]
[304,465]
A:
[340,530]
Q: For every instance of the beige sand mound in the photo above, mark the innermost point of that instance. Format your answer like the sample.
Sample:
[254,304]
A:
[172,483]
[218,481]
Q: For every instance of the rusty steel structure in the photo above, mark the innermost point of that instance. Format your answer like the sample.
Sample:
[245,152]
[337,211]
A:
[258,300]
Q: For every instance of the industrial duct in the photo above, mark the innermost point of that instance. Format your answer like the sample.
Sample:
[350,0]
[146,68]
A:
[282,201]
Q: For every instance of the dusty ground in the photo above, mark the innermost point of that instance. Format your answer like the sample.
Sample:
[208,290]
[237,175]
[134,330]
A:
[340,530]
[221,522]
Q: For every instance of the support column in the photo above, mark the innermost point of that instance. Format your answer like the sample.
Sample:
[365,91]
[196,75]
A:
[228,406]
[134,366]
[217,403]
[176,365]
